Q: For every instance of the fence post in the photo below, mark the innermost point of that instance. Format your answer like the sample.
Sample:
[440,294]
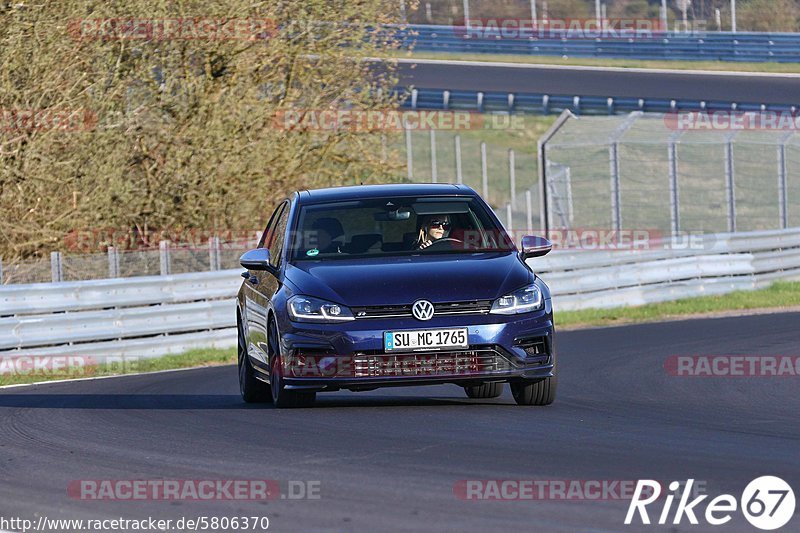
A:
[730,185]
[213,253]
[783,202]
[509,218]
[56,267]
[163,248]
[459,175]
[674,197]
[529,210]
[409,156]
[434,166]
[616,197]
[512,177]
[113,262]
[484,173]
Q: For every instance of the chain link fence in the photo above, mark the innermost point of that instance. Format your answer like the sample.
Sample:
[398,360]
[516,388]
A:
[167,259]
[645,171]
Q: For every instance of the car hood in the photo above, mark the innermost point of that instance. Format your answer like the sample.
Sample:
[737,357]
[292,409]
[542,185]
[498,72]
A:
[401,280]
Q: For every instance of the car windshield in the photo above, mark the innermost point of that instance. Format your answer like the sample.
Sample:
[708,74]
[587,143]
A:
[396,226]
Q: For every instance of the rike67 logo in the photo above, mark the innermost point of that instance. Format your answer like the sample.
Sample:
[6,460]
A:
[768,503]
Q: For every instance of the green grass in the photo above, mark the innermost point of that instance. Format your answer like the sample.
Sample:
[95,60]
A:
[790,68]
[128,365]
[778,295]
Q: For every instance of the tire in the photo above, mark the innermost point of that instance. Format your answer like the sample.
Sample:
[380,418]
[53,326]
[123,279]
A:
[542,392]
[281,397]
[486,390]
[538,393]
[251,389]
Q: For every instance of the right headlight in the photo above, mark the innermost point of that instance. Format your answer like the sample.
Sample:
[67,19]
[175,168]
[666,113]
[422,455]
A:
[523,300]
[309,309]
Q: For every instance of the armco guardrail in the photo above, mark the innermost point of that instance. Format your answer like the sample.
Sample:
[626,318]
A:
[493,101]
[153,316]
[696,46]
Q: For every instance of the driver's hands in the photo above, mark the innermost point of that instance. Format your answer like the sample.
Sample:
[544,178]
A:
[425,244]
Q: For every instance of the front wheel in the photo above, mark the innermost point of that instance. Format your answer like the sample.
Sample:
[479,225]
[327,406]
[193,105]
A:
[251,389]
[486,390]
[282,397]
[538,393]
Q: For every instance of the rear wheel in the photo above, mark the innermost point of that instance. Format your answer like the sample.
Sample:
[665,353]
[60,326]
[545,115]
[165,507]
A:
[486,390]
[251,389]
[282,397]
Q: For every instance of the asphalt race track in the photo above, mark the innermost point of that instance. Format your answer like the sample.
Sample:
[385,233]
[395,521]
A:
[389,459]
[587,81]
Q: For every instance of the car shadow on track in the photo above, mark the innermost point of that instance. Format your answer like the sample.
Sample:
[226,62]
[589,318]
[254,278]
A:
[211,401]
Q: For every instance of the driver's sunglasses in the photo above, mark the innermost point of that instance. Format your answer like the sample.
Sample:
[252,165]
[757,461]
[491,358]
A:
[439,224]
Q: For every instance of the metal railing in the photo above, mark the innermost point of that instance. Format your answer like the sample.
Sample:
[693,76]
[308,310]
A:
[540,103]
[153,316]
[696,46]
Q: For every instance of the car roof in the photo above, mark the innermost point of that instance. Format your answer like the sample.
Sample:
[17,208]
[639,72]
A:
[360,192]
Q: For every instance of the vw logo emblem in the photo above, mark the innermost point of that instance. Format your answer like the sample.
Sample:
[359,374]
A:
[422,310]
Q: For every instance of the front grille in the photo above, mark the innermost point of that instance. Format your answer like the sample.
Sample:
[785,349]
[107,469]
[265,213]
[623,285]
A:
[471,307]
[461,363]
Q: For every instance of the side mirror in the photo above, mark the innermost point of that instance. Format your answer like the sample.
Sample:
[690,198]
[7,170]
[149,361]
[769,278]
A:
[533,246]
[257,259]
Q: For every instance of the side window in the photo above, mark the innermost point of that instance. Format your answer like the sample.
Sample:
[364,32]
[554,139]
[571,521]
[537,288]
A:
[267,235]
[275,244]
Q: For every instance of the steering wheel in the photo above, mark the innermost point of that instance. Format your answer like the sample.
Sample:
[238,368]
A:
[439,242]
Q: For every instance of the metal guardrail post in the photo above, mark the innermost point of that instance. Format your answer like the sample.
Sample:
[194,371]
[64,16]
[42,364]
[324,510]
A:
[459,174]
[56,267]
[484,173]
[434,166]
[163,248]
[783,203]
[512,177]
[730,185]
[480,102]
[409,154]
[113,262]
[446,100]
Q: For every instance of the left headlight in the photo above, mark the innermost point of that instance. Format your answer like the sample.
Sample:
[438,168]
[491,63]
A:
[524,300]
[309,309]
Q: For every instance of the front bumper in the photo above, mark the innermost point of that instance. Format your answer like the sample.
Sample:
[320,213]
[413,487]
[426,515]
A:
[501,348]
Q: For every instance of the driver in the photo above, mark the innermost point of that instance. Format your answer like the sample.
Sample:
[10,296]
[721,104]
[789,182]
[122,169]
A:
[432,228]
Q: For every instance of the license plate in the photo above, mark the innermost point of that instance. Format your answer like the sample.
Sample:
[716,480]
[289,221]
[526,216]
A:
[425,339]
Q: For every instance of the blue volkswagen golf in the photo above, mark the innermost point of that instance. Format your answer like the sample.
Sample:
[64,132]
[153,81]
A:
[392,285]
